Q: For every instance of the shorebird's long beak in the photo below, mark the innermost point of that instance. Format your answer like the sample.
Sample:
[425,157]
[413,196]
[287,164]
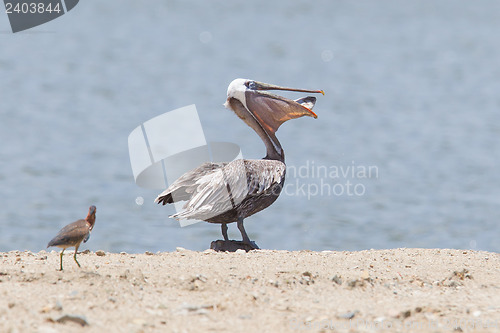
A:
[272,110]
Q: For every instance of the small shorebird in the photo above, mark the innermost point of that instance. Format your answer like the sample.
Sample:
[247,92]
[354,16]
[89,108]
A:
[74,233]
[229,192]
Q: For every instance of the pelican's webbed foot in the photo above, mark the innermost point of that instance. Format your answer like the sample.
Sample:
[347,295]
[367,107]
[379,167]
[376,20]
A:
[232,246]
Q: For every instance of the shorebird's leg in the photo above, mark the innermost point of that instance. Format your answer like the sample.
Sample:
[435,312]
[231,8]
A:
[76,250]
[224,231]
[61,255]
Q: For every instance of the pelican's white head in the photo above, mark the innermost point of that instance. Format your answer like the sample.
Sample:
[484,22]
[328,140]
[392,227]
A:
[237,90]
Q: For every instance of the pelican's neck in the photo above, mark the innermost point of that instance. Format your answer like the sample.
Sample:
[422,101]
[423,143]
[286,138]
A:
[273,146]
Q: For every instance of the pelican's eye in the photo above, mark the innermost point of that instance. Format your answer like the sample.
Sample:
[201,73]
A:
[251,85]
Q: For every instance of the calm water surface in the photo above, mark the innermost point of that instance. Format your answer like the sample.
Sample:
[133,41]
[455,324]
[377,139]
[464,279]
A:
[411,94]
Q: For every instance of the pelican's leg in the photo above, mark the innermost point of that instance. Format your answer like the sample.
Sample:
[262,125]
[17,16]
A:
[76,249]
[224,231]
[60,256]
[246,240]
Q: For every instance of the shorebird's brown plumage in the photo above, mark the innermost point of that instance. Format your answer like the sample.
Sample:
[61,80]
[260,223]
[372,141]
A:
[74,234]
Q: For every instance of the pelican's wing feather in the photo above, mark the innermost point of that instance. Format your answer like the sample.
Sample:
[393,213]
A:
[225,188]
[185,185]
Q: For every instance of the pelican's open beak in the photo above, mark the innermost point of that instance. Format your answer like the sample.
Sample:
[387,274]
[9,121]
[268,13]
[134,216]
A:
[272,110]
[255,85]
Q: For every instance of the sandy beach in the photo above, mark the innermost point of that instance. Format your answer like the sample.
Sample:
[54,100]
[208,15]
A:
[400,290]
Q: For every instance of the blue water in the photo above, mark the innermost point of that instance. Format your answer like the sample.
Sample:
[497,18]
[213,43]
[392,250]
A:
[411,91]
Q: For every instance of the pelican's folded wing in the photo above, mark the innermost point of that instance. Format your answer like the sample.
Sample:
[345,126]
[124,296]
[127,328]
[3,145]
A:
[182,189]
[225,188]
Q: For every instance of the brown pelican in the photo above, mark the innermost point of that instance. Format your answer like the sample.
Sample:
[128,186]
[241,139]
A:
[229,192]
[74,233]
